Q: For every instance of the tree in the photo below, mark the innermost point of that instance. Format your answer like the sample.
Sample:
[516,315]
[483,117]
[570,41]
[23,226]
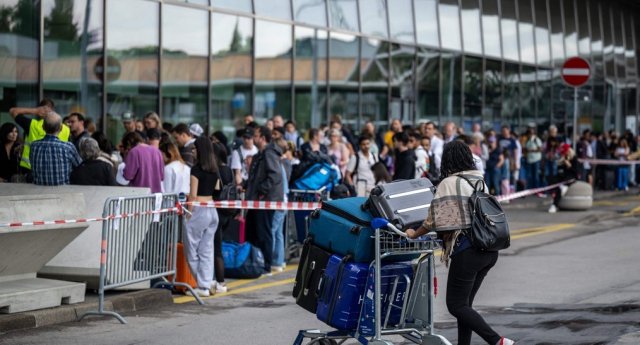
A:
[6,14]
[59,24]
[25,18]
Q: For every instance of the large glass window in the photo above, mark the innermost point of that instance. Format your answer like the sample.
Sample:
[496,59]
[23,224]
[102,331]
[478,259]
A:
[136,87]
[310,11]
[273,70]
[511,100]
[375,83]
[525,26]
[373,17]
[557,35]
[450,24]
[491,29]
[451,87]
[310,76]
[401,20]
[344,14]
[344,76]
[231,69]
[196,2]
[185,60]
[543,50]
[544,96]
[72,63]
[19,34]
[609,67]
[621,71]
[584,44]
[427,22]
[597,67]
[402,83]
[274,8]
[528,97]
[493,81]
[428,74]
[471,27]
[571,34]
[509,30]
[472,92]
[235,5]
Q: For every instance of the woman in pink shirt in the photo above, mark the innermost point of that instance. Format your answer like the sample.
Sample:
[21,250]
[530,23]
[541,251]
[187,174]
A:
[144,163]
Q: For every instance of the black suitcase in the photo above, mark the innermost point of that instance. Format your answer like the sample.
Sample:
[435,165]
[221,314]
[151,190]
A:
[404,203]
[313,262]
[609,179]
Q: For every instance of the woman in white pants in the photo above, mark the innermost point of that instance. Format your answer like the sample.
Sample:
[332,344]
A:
[202,222]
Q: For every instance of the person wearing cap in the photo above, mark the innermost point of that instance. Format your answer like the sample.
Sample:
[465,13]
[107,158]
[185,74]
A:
[196,130]
[130,124]
[153,137]
[533,150]
[240,155]
[185,139]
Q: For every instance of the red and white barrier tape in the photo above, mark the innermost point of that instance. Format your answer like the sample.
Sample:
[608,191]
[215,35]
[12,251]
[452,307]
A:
[607,162]
[532,191]
[258,205]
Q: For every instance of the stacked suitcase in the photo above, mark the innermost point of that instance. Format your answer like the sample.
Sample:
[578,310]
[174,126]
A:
[335,279]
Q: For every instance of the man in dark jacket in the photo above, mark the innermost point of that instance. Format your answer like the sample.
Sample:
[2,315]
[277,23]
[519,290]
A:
[405,166]
[265,183]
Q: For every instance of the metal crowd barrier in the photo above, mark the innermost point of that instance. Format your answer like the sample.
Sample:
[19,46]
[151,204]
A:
[139,248]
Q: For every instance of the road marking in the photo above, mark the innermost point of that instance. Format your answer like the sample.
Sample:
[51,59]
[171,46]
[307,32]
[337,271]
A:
[632,212]
[544,230]
[185,299]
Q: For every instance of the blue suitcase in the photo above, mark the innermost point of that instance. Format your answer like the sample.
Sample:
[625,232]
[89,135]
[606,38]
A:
[342,228]
[342,291]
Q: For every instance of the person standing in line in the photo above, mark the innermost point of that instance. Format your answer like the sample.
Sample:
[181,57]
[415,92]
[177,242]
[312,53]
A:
[144,165]
[152,120]
[422,156]
[185,140]
[394,128]
[176,174]
[359,173]
[92,171]
[436,143]
[225,174]
[78,132]
[9,156]
[202,222]
[467,266]
[338,150]
[240,157]
[494,165]
[314,144]
[265,183]
[621,153]
[405,165]
[278,264]
[449,132]
[130,124]
[533,152]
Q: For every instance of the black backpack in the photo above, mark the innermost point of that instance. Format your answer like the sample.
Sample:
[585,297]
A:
[229,191]
[489,227]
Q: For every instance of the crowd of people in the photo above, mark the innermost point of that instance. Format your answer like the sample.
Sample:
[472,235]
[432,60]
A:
[261,159]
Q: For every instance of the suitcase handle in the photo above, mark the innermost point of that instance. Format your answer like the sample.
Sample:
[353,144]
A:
[323,287]
[307,280]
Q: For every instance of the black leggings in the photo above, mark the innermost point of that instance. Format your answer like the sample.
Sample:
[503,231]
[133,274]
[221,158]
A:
[218,261]
[466,272]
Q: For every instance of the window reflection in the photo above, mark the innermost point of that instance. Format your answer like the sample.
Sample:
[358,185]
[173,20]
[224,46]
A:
[19,56]
[493,95]
[471,26]
[584,44]
[273,70]
[310,77]
[451,87]
[310,11]
[344,74]
[72,56]
[543,50]
[196,2]
[273,8]
[571,35]
[597,67]
[401,20]
[557,36]
[373,17]
[491,28]
[428,74]
[525,25]
[184,64]
[509,30]
[344,14]
[449,24]
[472,92]
[136,87]
[544,96]
[427,22]
[375,85]
[402,83]
[528,97]
[236,5]
[231,70]
[511,100]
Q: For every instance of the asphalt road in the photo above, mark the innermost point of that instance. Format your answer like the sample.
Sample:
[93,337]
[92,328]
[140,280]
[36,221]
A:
[568,278]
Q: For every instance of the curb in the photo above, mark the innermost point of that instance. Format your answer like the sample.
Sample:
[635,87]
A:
[127,303]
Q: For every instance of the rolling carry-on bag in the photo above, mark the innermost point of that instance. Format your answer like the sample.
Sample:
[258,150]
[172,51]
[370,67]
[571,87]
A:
[313,262]
[235,231]
[183,274]
[342,227]
[404,203]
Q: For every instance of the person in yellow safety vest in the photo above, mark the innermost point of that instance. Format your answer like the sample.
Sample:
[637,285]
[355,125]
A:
[33,130]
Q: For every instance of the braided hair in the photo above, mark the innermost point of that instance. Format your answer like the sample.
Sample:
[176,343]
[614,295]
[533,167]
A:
[456,157]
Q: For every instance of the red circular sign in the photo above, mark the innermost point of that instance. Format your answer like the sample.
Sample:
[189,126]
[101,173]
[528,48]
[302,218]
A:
[576,72]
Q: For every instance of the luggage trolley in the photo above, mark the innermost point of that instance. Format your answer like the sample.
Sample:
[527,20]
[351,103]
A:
[416,321]
[297,222]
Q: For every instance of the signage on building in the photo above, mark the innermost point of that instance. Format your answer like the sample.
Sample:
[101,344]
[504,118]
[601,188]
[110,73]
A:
[113,69]
[576,72]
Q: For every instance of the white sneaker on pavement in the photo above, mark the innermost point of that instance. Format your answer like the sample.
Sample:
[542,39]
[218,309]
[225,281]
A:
[553,209]
[505,341]
[267,274]
[277,269]
[199,292]
[217,288]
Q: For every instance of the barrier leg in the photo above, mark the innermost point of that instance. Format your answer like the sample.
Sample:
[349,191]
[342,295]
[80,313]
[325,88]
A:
[101,311]
[174,283]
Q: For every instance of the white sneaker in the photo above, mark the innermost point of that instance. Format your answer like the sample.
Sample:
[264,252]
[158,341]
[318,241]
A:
[277,269]
[217,288]
[553,209]
[267,274]
[199,292]
[505,341]
[284,265]
[563,190]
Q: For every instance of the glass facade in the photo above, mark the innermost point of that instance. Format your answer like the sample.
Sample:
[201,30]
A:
[214,61]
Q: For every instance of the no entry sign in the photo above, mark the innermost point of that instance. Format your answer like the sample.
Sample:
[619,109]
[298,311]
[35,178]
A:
[576,72]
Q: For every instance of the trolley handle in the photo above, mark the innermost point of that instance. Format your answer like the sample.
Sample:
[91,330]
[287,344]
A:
[378,223]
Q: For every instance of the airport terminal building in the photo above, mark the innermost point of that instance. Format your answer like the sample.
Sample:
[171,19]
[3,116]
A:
[213,61]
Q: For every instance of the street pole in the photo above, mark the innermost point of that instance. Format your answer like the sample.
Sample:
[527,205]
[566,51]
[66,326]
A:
[575,118]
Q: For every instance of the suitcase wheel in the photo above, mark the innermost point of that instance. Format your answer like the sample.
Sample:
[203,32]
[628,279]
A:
[364,206]
[323,342]
[376,191]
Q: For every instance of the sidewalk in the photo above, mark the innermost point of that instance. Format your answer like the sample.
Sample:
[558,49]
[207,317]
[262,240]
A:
[534,201]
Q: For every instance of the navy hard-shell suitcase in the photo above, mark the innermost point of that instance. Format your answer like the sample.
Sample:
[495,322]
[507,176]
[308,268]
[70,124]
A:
[313,262]
[342,228]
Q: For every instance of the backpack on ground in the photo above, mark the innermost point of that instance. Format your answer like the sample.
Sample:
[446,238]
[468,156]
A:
[242,261]
[489,227]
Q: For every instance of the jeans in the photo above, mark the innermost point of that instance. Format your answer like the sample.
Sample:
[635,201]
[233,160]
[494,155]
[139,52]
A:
[492,178]
[550,169]
[278,238]
[258,228]
[466,273]
[533,175]
[623,177]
